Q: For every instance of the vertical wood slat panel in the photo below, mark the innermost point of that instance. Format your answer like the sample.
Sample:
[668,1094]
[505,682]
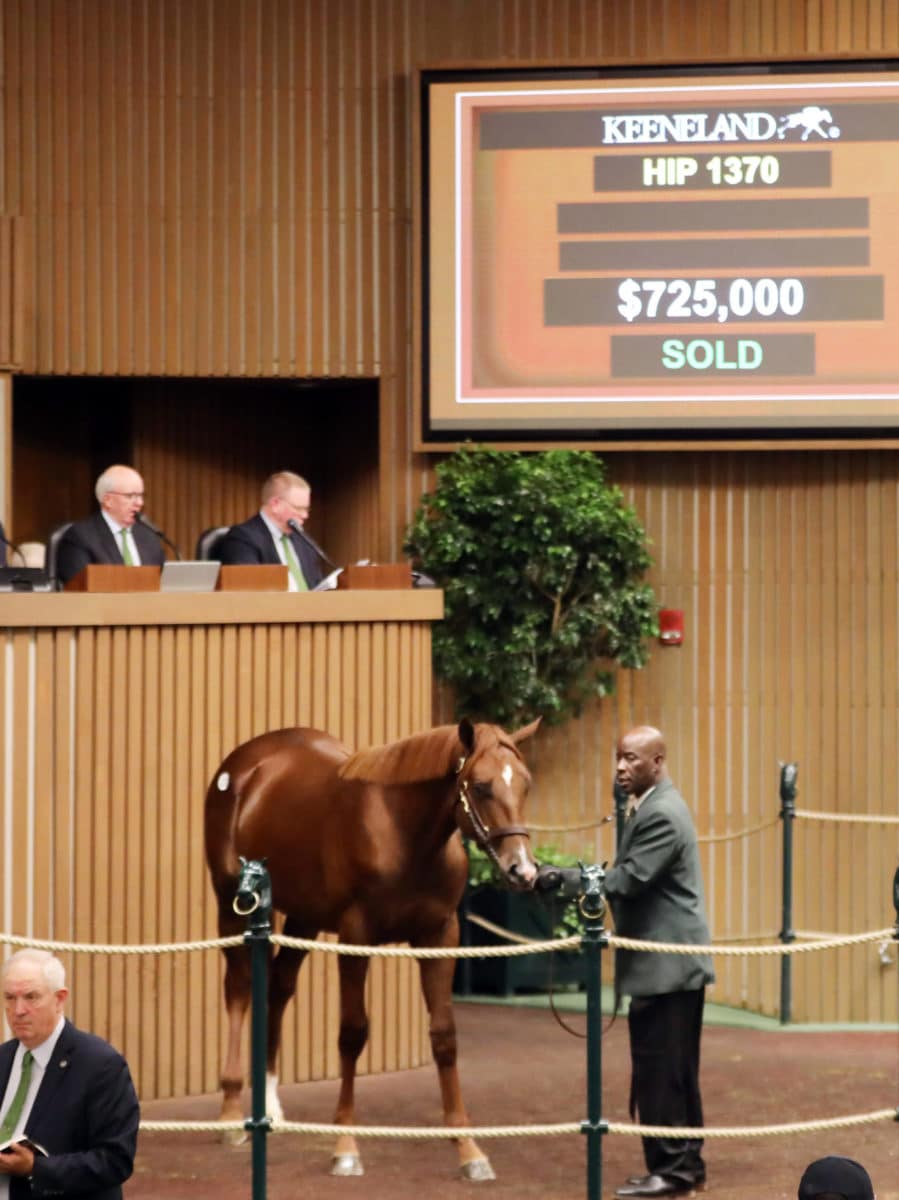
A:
[131,868]
[13,292]
[811,645]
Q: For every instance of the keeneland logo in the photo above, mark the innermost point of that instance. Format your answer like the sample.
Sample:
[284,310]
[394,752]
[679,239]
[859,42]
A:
[636,129]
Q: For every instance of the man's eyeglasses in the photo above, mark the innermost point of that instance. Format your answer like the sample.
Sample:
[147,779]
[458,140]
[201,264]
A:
[128,495]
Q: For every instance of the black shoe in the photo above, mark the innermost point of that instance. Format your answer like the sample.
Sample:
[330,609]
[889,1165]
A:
[656,1185]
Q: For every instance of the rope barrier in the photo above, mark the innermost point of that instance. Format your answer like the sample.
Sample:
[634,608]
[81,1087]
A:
[526,947]
[804,813]
[595,823]
[860,818]
[855,939]
[739,833]
[519,938]
[510,1131]
[569,943]
[10,939]
[709,838]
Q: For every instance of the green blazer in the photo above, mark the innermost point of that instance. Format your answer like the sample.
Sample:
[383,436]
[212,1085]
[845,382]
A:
[655,892]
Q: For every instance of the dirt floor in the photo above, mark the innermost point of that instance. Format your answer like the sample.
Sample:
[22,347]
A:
[519,1067]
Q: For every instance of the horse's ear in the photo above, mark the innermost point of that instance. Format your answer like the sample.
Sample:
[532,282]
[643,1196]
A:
[521,735]
[466,735]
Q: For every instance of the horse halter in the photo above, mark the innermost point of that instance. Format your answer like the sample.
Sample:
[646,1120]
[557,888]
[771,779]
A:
[483,834]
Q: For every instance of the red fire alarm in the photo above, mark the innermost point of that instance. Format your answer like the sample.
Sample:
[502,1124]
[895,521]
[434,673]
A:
[671,626]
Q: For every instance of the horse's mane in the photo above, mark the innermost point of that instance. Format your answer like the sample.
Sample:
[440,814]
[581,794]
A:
[424,756]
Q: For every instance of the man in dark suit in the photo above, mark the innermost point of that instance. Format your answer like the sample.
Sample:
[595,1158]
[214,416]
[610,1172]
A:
[66,1091]
[269,538]
[656,894]
[112,535]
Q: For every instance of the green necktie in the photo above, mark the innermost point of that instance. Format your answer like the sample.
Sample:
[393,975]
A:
[293,564]
[11,1120]
[126,549]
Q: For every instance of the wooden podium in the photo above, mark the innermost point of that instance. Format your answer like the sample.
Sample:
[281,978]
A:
[115,577]
[380,576]
[248,577]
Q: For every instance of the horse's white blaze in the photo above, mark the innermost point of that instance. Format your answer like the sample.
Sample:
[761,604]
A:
[507,774]
[272,1103]
[222,782]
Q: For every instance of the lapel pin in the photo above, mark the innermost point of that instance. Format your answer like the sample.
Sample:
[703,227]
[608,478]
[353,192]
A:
[63,1063]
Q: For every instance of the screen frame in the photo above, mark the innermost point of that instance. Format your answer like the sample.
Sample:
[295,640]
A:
[429,438]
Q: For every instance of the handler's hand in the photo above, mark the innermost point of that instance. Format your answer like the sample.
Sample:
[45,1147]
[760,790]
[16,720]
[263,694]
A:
[17,1160]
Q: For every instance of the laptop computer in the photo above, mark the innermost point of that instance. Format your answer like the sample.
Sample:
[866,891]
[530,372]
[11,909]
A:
[198,576]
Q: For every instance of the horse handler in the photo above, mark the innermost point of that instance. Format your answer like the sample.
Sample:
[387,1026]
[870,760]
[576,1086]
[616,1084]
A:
[655,891]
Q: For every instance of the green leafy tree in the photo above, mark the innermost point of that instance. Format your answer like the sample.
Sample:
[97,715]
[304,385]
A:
[541,563]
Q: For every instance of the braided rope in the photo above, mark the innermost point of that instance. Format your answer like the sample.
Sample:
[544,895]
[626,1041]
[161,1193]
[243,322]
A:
[853,939]
[738,833]
[804,813]
[709,838]
[526,946]
[508,1131]
[569,943]
[595,823]
[10,939]
[869,818]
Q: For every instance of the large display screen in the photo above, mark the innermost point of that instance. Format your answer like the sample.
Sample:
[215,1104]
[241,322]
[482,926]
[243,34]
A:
[697,253]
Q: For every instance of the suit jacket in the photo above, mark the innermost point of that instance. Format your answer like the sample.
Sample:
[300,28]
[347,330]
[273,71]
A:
[656,893]
[251,542]
[86,1117]
[91,541]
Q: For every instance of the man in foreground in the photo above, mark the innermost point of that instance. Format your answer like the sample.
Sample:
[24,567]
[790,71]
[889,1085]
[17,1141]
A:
[113,535]
[656,894]
[66,1091]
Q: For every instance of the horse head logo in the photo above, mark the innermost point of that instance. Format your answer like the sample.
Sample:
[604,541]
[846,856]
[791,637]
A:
[810,119]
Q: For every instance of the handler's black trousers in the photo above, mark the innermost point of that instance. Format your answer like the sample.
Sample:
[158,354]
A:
[664,1035]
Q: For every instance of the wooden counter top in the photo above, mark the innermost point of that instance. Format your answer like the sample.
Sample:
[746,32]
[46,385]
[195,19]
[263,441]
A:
[72,610]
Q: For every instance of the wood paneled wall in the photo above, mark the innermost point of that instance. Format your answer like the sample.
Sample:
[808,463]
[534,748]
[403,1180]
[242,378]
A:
[114,713]
[224,188]
[787,569]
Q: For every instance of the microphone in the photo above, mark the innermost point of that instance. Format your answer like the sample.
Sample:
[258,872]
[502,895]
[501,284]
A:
[12,545]
[154,528]
[301,533]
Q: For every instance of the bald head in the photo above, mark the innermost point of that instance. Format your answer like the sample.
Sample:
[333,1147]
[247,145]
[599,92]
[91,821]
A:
[640,759]
[120,491]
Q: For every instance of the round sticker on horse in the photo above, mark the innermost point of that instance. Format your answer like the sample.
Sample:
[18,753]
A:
[367,846]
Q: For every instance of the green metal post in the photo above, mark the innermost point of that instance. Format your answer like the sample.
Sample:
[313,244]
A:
[254,900]
[788,775]
[593,907]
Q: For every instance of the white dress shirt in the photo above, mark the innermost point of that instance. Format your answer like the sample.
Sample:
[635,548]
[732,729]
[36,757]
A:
[635,801]
[117,534]
[279,548]
[41,1055]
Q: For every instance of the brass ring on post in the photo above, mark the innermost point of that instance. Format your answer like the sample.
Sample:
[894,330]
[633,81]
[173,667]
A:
[245,912]
[591,916]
